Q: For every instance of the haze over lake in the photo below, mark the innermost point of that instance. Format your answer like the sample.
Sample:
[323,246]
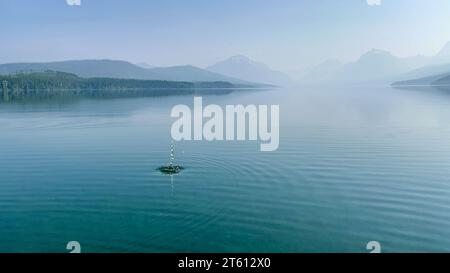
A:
[355,164]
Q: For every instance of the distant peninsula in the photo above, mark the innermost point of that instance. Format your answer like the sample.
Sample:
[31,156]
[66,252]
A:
[436,80]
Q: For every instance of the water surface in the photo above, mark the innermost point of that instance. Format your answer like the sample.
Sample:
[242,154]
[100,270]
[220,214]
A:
[355,164]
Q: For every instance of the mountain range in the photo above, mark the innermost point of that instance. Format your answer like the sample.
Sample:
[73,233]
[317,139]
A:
[120,70]
[375,66]
[380,66]
[236,70]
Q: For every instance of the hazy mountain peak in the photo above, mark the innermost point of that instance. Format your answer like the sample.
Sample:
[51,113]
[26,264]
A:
[242,67]
[376,53]
[240,58]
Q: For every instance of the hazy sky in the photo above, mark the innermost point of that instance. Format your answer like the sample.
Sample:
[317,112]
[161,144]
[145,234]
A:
[285,34]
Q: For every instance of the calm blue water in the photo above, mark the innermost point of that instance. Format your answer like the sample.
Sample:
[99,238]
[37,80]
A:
[355,164]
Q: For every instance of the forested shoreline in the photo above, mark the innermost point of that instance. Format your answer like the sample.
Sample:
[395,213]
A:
[60,84]
[52,80]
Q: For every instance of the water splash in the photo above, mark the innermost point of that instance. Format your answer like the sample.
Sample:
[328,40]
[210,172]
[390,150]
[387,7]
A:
[171,168]
[172,156]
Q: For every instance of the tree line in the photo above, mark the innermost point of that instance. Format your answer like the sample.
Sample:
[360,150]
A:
[54,80]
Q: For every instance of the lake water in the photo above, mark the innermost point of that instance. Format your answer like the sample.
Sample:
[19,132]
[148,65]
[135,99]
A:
[355,164]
